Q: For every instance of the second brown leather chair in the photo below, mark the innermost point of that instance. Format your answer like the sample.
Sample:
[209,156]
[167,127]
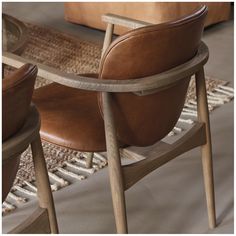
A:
[21,124]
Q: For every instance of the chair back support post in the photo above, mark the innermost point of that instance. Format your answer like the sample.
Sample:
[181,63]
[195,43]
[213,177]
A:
[115,169]
[108,37]
[203,116]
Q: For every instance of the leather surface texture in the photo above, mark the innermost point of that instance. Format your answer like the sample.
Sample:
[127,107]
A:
[143,120]
[70,117]
[17,90]
[74,118]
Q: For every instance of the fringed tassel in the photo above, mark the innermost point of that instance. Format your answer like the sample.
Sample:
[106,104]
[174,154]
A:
[17,198]
[30,185]
[25,191]
[187,121]
[71,174]
[7,207]
[79,168]
[58,179]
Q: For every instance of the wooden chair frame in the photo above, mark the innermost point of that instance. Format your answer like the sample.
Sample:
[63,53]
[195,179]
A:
[43,220]
[123,177]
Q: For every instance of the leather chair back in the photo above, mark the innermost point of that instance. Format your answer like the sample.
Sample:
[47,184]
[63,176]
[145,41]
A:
[143,120]
[17,90]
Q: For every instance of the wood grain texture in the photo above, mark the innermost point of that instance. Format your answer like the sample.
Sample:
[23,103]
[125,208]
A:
[123,21]
[166,152]
[114,164]
[157,82]
[140,153]
[44,192]
[203,116]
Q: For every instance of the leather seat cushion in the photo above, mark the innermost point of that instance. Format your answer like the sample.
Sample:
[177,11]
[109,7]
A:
[70,117]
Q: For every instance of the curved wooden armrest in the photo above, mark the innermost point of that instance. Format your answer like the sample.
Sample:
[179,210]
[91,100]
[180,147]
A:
[140,86]
[123,21]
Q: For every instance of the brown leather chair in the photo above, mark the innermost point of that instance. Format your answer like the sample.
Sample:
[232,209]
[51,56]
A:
[21,124]
[135,99]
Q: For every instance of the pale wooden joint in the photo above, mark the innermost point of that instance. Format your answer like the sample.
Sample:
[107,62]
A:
[124,21]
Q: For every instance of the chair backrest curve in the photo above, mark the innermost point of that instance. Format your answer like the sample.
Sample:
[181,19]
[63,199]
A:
[143,120]
[17,90]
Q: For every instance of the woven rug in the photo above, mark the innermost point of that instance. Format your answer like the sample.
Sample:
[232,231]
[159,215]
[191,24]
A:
[73,55]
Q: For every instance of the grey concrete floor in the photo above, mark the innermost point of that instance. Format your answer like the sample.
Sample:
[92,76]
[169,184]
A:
[169,200]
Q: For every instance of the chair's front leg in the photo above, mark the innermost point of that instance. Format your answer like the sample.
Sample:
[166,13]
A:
[115,169]
[203,116]
[43,186]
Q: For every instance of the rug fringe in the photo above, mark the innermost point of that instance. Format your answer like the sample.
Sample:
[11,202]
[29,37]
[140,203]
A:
[71,174]
[79,168]
[187,121]
[7,207]
[221,94]
[58,179]
[23,190]
[100,157]
[99,161]
[220,90]
[17,198]
[31,185]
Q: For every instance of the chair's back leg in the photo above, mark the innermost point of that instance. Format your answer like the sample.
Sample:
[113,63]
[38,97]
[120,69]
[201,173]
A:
[115,169]
[203,116]
[44,191]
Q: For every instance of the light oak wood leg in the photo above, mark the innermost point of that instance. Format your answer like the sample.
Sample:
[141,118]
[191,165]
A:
[44,191]
[203,116]
[115,169]
[89,159]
